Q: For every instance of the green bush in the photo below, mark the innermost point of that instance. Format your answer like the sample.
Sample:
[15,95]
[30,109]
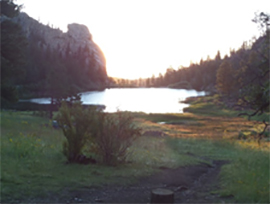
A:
[115,135]
[78,126]
[107,136]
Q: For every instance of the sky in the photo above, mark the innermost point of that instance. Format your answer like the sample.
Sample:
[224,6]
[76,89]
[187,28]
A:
[140,38]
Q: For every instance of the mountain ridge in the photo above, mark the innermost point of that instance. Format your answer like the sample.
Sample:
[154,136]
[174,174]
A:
[77,36]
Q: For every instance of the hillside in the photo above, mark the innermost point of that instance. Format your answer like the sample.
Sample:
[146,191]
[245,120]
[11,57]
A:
[54,63]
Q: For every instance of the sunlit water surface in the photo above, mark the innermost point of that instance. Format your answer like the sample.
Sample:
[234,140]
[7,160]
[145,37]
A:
[148,100]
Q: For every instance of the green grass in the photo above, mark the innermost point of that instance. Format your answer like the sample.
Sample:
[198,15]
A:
[212,149]
[246,177]
[33,167]
[162,156]
[168,118]
[212,106]
[209,109]
[262,117]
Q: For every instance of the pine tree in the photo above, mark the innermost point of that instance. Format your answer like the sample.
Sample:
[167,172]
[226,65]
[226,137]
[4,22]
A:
[225,80]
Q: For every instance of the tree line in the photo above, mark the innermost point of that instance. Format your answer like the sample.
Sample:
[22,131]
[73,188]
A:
[242,77]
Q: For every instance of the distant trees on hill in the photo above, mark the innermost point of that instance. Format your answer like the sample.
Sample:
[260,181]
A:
[54,72]
[200,76]
[241,77]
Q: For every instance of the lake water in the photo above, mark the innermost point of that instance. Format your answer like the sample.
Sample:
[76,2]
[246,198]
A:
[148,100]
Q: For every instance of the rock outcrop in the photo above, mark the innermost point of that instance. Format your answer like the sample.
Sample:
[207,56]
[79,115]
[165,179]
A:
[77,37]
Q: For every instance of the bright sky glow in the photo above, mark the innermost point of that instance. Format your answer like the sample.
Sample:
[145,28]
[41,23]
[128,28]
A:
[144,37]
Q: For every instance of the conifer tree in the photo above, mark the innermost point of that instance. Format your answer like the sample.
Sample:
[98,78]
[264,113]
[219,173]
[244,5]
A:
[225,80]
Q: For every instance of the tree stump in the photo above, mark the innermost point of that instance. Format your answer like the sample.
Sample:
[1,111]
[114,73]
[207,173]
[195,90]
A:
[161,195]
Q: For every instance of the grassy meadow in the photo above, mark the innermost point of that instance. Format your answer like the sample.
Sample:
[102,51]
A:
[34,168]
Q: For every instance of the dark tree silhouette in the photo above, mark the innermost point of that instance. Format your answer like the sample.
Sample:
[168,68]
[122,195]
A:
[13,45]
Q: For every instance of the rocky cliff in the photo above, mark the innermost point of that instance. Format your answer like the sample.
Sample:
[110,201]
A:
[77,38]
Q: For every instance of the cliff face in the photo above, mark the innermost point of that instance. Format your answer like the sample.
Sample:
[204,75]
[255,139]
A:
[76,39]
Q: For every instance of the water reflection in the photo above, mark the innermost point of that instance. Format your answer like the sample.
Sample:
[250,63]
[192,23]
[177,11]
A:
[148,100]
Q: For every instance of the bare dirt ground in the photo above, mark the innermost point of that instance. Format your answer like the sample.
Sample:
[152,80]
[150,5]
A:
[192,184]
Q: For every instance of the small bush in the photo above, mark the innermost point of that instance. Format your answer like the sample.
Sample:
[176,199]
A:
[78,125]
[108,136]
[115,135]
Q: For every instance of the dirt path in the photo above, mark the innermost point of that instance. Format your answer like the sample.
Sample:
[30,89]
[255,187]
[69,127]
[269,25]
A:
[192,184]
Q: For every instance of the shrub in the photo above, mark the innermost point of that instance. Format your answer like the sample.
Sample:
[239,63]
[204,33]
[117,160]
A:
[107,135]
[115,135]
[78,125]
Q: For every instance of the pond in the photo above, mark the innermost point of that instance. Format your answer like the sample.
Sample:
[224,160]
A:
[148,100]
